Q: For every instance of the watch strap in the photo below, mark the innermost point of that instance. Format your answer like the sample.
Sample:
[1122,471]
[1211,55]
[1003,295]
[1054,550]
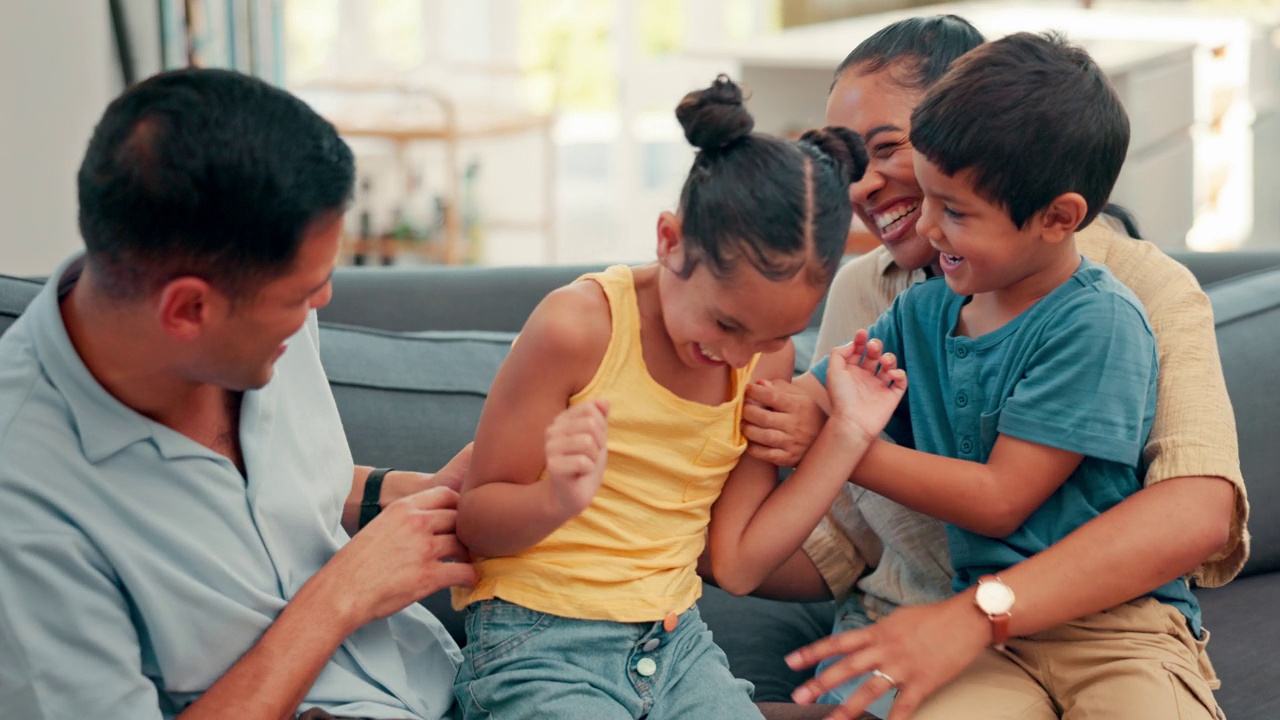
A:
[371,500]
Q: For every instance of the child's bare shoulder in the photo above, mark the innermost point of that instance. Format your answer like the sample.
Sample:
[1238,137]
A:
[571,322]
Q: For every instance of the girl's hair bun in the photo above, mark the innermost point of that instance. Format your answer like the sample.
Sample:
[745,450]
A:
[842,145]
[716,117]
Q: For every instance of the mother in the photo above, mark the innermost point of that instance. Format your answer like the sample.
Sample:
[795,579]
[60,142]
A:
[877,556]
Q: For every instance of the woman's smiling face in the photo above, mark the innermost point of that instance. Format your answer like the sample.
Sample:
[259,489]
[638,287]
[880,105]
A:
[887,198]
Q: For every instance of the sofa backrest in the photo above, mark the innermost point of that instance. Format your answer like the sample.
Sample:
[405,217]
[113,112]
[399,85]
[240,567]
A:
[15,295]
[500,299]
[1247,318]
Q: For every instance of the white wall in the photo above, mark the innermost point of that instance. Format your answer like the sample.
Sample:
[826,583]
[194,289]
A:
[57,73]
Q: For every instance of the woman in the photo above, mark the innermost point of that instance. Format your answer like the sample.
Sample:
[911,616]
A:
[1189,519]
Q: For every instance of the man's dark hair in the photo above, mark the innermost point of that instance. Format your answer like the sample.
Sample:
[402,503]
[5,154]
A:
[783,205]
[209,173]
[920,48]
[1033,117]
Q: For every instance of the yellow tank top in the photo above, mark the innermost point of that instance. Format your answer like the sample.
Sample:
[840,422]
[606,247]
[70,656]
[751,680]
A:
[632,555]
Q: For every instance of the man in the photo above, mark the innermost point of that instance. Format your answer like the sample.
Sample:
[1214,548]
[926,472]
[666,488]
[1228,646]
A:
[173,474]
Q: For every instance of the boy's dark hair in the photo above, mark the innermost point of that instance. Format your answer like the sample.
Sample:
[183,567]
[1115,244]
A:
[778,203]
[921,47]
[208,173]
[1033,117]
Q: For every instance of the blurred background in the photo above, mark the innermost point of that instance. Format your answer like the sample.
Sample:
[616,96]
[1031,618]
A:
[526,132]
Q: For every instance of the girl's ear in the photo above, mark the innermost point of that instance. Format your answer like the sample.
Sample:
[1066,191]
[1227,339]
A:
[670,241]
[1063,216]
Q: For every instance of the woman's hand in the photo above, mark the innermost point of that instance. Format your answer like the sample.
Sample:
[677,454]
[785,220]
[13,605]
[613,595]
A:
[780,422]
[916,649]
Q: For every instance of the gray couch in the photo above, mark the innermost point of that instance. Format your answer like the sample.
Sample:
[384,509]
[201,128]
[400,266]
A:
[411,352]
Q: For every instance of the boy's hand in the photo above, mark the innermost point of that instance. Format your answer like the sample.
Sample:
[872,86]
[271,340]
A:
[576,455]
[864,386]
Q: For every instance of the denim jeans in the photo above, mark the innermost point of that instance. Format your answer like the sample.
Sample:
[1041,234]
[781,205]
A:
[851,616]
[521,663]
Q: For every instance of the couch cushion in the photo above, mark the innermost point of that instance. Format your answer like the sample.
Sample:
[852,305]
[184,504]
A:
[755,634]
[1213,267]
[1247,314]
[409,400]
[15,295]
[448,297]
[1243,646]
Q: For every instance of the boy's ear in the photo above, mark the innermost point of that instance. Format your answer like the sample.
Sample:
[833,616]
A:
[670,240]
[1063,216]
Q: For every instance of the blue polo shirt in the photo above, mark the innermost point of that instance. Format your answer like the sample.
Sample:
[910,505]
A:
[137,566]
[1076,371]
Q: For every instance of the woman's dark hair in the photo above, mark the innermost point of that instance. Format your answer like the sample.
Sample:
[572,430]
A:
[783,205]
[208,173]
[926,47]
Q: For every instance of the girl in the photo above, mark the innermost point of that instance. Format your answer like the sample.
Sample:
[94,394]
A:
[610,431]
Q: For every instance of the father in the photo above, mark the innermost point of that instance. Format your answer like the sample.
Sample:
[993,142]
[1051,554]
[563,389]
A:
[175,486]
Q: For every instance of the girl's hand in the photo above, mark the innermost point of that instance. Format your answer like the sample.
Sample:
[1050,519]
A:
[576,455]
[864,386]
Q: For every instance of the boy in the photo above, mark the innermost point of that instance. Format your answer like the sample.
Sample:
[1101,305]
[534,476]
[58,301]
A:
[1033,385]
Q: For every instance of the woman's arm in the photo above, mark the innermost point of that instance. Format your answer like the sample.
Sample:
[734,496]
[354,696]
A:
[1140,544]
[505,508]
[757,523]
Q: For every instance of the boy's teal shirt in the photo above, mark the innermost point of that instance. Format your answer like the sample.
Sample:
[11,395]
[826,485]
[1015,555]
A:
[1076,371]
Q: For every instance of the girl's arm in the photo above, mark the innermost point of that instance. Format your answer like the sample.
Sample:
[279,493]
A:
[757,524]
[505,508]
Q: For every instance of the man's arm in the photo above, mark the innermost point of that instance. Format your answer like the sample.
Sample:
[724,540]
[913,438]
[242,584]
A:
[402,483]
[399,558]
[64,616]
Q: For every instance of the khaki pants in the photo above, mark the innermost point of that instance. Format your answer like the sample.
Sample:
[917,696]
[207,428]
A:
[1137,661]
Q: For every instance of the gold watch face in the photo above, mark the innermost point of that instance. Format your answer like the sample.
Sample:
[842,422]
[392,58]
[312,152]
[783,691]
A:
[994,597]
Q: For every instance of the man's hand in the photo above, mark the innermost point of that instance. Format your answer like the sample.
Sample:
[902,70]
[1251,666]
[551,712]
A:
[780,422]
[865,386]
[403,483]
[405,554]
[576,454]
[919,648]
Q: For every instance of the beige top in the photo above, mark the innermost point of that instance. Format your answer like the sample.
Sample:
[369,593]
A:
[1193,434]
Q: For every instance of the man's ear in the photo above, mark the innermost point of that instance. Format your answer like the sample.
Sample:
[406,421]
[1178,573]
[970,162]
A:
[670,241]
[1063,216]
[186,305]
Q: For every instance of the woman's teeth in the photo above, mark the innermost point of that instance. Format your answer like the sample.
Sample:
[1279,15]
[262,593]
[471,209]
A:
[893,216]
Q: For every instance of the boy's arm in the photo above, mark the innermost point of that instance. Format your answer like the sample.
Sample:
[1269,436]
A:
[757,524]
[1085,390]
[992,499]
[505,508]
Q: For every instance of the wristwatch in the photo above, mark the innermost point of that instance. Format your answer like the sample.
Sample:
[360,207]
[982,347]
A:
[995,600]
